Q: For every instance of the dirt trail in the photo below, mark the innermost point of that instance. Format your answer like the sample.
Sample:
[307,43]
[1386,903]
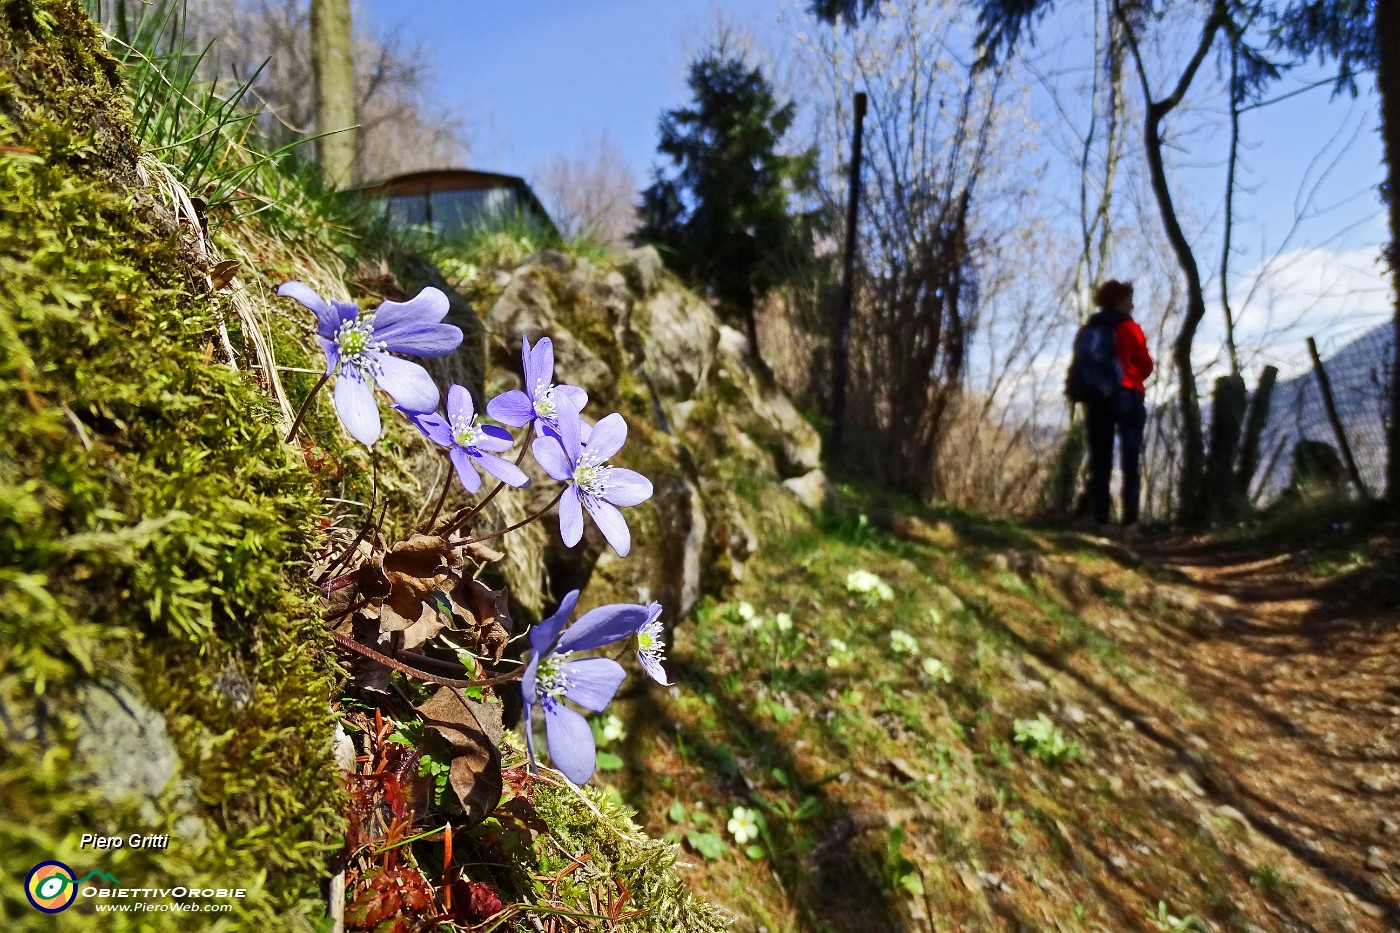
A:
[1303,687]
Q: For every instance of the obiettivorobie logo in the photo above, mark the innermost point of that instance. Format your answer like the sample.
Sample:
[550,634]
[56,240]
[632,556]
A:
[52,886]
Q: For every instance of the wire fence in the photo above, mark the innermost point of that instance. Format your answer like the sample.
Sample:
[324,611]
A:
[1360,372]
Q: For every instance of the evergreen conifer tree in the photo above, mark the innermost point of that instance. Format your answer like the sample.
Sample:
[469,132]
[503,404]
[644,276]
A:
[724,218]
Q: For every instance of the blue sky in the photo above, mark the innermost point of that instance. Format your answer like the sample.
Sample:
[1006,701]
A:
[537,78]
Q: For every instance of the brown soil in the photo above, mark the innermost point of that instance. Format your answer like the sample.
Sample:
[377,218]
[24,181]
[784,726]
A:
[1303,683]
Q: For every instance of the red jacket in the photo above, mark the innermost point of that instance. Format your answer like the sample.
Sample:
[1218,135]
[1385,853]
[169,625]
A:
[1132,354]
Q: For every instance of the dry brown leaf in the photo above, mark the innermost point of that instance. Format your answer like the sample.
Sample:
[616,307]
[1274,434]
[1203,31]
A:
[221,276]
[417,629]
[424,556]
[489,609]
[474,731]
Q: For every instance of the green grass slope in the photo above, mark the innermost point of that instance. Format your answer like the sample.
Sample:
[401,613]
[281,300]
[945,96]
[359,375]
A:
[1005,739]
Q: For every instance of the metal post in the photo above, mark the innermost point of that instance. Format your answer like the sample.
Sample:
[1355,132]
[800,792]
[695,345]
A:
[843,320]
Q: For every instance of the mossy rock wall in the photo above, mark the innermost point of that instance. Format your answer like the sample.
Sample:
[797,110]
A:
[711,433]
[163,667]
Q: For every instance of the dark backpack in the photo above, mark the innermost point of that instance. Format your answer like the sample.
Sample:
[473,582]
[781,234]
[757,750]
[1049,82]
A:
[1095,374]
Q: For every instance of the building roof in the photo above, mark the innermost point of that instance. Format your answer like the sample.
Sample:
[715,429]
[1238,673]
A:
[440,181]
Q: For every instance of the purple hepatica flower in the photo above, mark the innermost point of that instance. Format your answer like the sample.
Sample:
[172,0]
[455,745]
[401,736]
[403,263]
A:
[358,347]
[540,400]
[470,444]
[593,485]
[551,677]
[651,650]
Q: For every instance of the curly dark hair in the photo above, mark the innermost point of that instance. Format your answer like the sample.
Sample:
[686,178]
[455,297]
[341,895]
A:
[1111,293]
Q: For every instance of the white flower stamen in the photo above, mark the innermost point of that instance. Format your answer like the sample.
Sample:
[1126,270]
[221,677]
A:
[466,432]
[649,641]
[551,680]
[591,476]
[545,406]
[355,341]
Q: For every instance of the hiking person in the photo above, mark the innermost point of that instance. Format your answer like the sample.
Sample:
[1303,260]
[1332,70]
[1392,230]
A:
[1106,375]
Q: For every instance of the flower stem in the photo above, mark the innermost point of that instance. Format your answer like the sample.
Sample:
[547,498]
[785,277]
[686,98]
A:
[475,510]
[446,487]
[364,529]
[520,524]
[306,406]
[347,642]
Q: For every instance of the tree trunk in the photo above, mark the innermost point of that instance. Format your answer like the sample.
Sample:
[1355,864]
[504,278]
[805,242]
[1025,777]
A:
[1192,504]
[1193,507]
[1254,424]
[1227,417]
[332,57]
[1388,86]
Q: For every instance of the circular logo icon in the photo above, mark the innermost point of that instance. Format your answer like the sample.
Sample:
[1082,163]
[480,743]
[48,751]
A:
[51,887]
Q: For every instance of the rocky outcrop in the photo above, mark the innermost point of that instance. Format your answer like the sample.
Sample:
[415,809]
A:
[705,424]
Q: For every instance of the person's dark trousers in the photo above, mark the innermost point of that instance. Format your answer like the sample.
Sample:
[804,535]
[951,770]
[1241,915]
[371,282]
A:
[1124,415]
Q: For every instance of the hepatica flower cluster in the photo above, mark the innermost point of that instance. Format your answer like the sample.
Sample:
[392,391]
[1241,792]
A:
[372,349]
[553,674]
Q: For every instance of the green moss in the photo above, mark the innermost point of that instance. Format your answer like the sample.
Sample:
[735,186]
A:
[151,528]
[620,857]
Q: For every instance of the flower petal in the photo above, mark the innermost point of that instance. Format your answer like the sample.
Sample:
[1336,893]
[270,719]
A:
[626,487]
[570,742]
[528,693]
[528,726]
[613,526]
[593,682]
[576,396]
[608,437]
[541,366]
[551,458]
[429,306]
[653,669]
[471,480]
[420,339]
[327,320]
[568,425]
[433,425]
[346,312]
[406,381]
[332,354]
[542,636]
[512,408]
[527,682]
[503,470]
[354,403]
[603,626]
[527,369]
[459,404]
[570,517]
[494,440]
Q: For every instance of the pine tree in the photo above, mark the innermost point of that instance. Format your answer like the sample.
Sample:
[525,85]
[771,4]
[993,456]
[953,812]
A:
[723,220]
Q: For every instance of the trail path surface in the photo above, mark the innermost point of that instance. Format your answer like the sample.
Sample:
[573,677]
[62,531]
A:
[1302,685]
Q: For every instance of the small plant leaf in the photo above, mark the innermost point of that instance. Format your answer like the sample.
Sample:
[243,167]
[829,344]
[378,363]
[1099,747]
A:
[710,845]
